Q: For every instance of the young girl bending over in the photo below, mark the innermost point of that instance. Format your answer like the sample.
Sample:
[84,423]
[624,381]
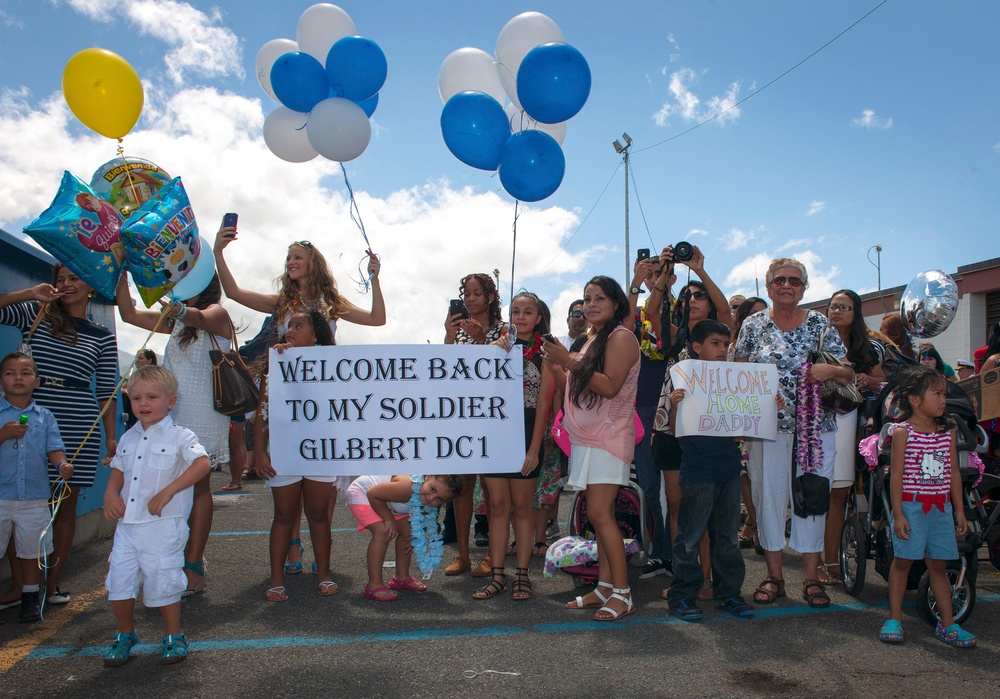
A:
[926,494]
[380,504]
[517,490]
[305,329]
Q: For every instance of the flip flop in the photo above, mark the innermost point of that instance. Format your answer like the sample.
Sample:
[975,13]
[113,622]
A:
[328,588]
[276,594]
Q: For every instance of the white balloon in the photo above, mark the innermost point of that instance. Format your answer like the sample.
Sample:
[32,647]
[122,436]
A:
[320,27]
[268,54]
[520,121]
[469,69]
[518,36]
[285,136]
[338,129]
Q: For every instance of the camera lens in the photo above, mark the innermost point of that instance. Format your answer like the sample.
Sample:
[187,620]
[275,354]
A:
[683,251]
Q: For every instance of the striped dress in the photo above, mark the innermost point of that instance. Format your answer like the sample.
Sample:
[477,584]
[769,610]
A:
[927,464]
[67,372]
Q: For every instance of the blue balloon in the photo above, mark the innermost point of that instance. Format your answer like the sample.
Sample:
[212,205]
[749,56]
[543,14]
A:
[475,129]
[553,82]
[299,81]
[356,68]
[533,165]
[369,105]
[198,279]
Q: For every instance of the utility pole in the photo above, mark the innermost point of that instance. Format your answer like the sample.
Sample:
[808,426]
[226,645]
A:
[624,151]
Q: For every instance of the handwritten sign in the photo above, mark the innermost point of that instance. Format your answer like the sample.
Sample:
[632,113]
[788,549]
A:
[726,399]
[396,409]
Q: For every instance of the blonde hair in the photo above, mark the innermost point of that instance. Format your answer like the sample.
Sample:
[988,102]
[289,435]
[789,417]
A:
[318,289]
[154,375]
[787,262]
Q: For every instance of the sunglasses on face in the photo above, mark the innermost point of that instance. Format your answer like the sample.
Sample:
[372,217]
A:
[576,314]
[699,295]
[839,307]
[794,282]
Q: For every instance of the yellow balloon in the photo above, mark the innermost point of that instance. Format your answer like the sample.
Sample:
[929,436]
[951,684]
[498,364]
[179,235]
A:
[103,91]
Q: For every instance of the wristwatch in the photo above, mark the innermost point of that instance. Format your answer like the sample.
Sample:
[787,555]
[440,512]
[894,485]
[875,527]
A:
[635,290]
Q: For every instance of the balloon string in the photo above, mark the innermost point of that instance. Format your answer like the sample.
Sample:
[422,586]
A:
[366,279]
[128,171]
[513,253]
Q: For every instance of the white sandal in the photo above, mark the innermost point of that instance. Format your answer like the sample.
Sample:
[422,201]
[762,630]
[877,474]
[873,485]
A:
[617,593]
[578,603]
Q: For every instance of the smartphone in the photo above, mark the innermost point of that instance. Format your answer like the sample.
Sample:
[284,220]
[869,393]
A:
[642,254]
[457,307]
[229,221]
[548,337]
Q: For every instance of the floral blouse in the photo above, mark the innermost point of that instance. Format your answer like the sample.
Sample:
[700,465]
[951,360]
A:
[492,335]
[764,342]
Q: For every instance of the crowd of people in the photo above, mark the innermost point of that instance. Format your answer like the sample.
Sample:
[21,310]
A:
[606,384]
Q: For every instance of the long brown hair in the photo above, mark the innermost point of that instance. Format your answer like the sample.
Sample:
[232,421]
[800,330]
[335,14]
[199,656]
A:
[318,289]
[490,289]
[593,361]
[210,296]
[55,314]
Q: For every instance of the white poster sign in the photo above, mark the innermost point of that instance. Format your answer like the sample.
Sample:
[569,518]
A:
[726,399]
[396,409]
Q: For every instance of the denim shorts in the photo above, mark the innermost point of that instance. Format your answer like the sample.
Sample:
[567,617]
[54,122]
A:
[932,535]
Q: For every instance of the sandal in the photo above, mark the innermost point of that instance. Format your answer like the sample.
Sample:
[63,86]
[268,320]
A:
[380,594]
[512,549]
[816,600]
[410,584]
[198,568]
[765,594]
[276,594]
[295,568]
[175,649]
[891,632]
[121,645]
[613,614]
[494,587]
[826,577]
[539,549]
[521,589]
[328,588]
[578,603]
[744,540]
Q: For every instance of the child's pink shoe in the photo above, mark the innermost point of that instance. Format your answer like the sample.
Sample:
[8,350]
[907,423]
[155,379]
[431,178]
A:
[380,594]
[410,584]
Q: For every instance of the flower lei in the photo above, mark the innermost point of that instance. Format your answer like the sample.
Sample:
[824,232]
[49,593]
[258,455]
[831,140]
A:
[533,350]
[428,549]
[808,416]
[649,344]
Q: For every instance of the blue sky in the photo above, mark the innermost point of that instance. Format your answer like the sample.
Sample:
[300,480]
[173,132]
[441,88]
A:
[889,135]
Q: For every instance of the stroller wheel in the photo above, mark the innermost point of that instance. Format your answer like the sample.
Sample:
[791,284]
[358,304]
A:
[853,555]
[963,597]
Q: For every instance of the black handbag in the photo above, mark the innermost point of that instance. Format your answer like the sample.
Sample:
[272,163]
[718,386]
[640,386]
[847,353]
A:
[810,491]
[840,397]
[234,391]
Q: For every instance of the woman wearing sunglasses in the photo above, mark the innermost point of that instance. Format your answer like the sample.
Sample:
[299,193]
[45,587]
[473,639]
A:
[784,335]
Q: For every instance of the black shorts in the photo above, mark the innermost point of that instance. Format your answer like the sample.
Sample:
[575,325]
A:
[666,452]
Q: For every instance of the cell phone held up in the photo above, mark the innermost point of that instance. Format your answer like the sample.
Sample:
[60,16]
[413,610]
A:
[548,337]
[642,254]
[457,307]
[229,220]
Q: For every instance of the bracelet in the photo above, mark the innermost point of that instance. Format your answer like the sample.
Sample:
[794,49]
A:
[61,464]
[182,312]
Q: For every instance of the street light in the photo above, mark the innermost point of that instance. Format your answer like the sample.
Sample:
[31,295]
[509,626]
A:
[623,151]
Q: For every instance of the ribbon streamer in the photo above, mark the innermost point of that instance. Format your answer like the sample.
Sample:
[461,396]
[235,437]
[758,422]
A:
[128,172]
[365,278]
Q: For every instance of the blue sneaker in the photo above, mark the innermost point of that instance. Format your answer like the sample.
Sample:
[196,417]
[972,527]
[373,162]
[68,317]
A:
[121,645]
[175,649]
[687,610]
[738,607]
[954,635]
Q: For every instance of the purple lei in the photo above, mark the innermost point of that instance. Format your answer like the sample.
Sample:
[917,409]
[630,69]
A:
[808,416]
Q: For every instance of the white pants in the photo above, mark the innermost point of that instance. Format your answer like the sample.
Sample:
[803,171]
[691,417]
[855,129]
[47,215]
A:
[770,471]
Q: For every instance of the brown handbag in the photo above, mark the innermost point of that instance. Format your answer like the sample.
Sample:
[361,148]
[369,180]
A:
[234,391]
[840,397]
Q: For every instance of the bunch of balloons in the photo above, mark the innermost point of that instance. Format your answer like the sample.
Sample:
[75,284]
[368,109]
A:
[547,82]
[327,82]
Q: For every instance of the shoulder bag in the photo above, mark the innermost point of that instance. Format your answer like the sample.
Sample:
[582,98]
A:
[834,395]
[234,391]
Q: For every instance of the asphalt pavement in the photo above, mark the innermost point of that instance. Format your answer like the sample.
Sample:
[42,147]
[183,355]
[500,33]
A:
[443,643]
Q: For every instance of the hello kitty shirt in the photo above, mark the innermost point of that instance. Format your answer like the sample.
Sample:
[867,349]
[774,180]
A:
[927,464]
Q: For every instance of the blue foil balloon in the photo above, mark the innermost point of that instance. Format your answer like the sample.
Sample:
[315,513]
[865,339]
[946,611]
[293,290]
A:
[532,167]
[299,81]
[161,242]
[356,68]
[553,82]
[369,105]
[475,129]
[83,231]
[200,276]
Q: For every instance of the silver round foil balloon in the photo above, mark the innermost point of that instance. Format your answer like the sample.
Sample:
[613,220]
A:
[929,303]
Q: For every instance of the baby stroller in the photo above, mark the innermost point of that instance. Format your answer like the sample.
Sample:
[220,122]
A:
[867,532]
[635,520]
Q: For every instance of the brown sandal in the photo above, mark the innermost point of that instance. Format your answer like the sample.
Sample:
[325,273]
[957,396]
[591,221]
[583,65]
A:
[766,595]
[816,600]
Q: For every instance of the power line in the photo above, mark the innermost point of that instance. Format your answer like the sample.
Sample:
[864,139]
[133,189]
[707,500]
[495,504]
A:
[641,212]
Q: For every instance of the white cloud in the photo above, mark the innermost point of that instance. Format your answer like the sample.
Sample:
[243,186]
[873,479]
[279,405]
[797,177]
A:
[676,53]
[9,20]
[796,243]
[751,272]
[200,45]
[996,147]
[868,120]
[815,207]
[686,104]
[697,231]
[737,238]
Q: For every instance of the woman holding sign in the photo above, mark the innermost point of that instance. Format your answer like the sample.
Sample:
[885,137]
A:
[784,336]
[600,386]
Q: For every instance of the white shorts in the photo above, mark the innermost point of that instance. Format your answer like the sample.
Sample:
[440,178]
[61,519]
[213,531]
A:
[150,554]
[280,481]
[27,519]
[589,465]
[847,450]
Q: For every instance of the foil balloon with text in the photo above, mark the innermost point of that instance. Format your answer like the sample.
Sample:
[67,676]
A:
[126,185]
[929,303]
[82,231]
[161,242]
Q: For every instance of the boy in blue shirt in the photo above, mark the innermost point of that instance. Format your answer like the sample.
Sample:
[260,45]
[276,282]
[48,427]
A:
[29,437]
[710,500]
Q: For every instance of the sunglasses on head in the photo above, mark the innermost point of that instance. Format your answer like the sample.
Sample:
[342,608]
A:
[794,282]
[576,314]
[302,243]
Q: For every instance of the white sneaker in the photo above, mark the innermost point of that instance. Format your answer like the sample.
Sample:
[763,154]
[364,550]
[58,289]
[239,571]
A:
[552,531]
[58,597]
